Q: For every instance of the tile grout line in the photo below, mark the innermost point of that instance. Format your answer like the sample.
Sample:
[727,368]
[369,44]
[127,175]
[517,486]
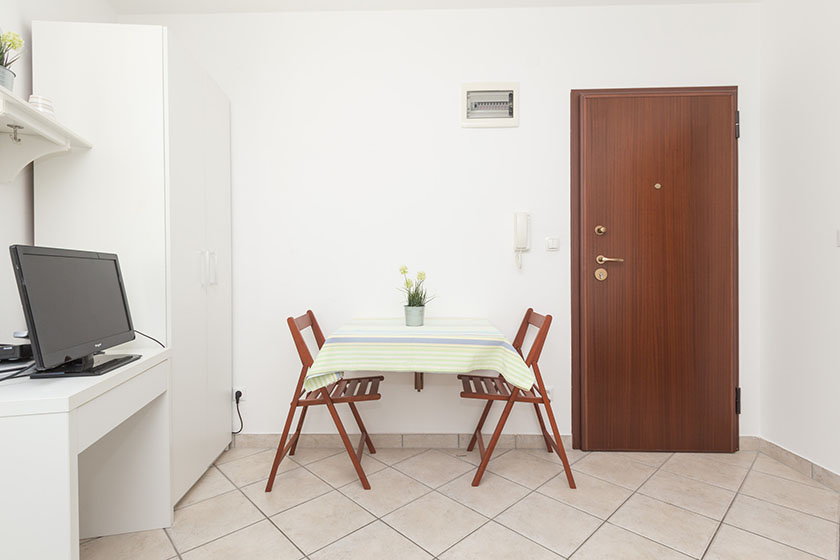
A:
[729,507]
[256,450]
[765,537]
[430,488]
[175,548]
[506,478]
[636,491]
[265,517]
[605,521]
[418,544]
[489,519]
[376,517]
[493,519]
[222,536]
[789,508]
[739,493]
[211,497]
[536,491]
[664,501]
[562,474]
[757,449]
[435,490]
[368,524]
[453,454]
[712,483]
[820,487]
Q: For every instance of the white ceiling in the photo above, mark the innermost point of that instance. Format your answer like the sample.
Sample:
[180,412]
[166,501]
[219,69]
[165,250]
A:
[229,6]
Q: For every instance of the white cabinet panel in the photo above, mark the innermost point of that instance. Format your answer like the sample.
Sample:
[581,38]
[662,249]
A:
[155,189]
[188,265]
[219,305]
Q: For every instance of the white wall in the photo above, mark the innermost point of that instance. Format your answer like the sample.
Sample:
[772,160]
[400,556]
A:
[349,160]
[16,197]
[800,258]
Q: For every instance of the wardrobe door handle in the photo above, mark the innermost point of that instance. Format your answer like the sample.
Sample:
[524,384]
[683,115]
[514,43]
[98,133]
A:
[204,265]
[214,268]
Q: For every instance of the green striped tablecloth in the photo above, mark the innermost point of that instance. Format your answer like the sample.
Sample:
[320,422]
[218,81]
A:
[440,346]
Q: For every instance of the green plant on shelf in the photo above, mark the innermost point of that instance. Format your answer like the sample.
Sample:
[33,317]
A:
[10,46]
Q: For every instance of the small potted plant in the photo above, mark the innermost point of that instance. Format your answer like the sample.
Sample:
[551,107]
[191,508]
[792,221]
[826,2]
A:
[10,45]
[416,298]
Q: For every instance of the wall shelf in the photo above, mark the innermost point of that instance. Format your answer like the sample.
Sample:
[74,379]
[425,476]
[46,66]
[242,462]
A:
[38,136]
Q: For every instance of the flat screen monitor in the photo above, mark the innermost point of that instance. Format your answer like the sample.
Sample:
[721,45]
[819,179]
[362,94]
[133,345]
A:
[74,303]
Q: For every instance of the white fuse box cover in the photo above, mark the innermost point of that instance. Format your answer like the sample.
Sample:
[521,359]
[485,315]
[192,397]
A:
[490,105]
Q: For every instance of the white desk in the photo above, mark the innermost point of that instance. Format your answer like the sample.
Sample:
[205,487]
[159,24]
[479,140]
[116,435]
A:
[84,457]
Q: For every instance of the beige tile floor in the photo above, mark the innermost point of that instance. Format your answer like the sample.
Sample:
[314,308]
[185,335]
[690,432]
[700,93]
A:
[627,506]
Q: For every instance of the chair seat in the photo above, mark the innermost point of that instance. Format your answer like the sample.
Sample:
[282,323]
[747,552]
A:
[347,391]
[493,388]
[355,389]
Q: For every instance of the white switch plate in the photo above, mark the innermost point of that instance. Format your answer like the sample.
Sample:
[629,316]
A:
[552,243]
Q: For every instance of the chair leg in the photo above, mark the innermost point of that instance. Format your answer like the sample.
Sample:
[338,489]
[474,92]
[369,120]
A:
[542,428]
[346,440]
[492,445]
[559,442]
[480,425]
[281,446]
[297,431]
[362,428]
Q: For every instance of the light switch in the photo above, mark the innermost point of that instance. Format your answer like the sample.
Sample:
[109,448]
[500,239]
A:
[552,243]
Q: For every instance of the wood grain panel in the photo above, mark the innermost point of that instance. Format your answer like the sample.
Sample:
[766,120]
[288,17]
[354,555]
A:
[655,345]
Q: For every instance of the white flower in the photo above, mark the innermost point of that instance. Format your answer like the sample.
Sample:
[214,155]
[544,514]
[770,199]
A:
[11,40]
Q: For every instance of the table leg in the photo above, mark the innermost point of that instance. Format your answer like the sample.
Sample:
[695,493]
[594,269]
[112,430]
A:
[418,380]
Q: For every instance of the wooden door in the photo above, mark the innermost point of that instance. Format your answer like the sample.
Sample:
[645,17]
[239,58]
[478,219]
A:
[655,349]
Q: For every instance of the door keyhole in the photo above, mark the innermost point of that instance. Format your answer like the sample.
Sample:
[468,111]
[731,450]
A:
[601,274]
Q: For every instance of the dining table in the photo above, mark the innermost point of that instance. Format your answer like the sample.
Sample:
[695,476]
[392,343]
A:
[442,345]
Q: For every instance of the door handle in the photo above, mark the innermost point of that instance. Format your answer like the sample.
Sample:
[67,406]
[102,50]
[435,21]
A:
[601,259]
[214,269]
[203,267]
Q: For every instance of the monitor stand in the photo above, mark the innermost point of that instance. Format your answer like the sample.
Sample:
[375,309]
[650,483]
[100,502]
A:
[92,364]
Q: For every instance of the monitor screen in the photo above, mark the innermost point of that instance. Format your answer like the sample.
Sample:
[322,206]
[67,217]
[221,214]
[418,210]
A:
[74,302]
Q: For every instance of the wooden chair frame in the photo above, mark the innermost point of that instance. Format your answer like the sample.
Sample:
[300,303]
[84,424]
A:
[348,391]
[494,389]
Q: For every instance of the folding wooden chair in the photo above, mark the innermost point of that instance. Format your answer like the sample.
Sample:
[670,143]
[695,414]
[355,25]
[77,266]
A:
[348,391]
[494,389]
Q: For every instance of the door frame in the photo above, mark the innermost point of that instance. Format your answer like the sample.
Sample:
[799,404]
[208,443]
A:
[577,95]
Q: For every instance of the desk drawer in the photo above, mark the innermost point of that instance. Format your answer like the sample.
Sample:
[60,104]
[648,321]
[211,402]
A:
[99,416]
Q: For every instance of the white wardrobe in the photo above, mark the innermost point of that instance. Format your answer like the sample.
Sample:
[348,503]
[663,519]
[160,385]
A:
[155,189]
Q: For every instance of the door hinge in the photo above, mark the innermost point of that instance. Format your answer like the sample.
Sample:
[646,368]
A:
[737,400]
[737,124]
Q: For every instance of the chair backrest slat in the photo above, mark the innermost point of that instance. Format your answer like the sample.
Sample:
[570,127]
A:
[539,342]
[541,322]
[303,321]
[297,326]
[536,319]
